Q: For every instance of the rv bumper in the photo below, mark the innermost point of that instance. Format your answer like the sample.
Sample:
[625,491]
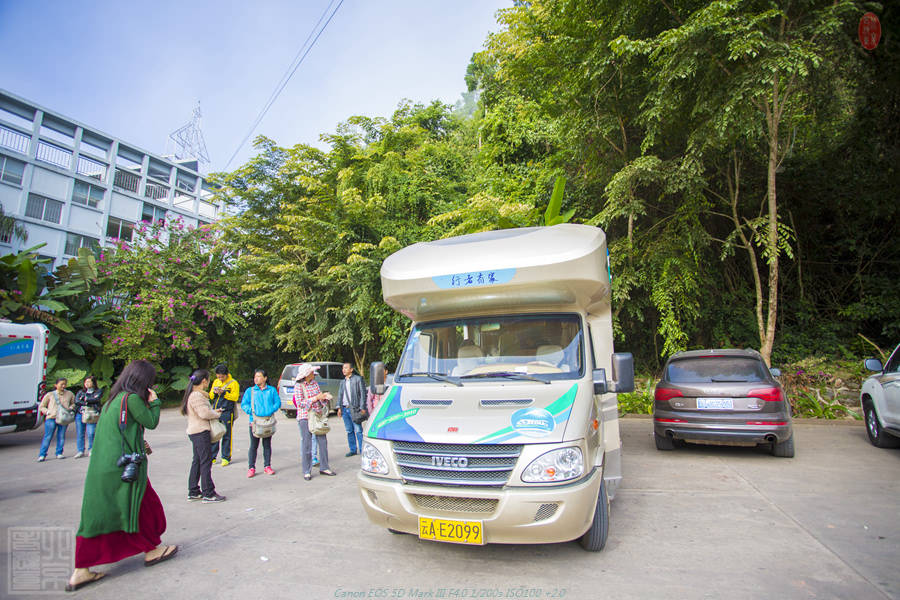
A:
[511,515]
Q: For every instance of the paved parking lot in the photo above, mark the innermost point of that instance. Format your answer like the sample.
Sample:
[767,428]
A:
[699,522]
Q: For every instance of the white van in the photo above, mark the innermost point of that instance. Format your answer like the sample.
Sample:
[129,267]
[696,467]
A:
[501,425]
[23,366]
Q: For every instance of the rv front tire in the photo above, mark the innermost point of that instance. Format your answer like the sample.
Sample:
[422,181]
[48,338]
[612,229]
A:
[594,538]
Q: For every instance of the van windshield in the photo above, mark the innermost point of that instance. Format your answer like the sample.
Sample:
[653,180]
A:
[542,346]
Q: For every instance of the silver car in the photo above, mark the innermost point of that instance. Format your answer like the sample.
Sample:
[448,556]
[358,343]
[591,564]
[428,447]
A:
[880,399]
[328,376]
[722,397]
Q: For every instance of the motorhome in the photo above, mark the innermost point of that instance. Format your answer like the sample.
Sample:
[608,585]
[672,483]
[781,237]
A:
[501,425]
[23,366]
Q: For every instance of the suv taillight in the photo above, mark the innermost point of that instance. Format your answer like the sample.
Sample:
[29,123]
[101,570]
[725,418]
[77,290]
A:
[665,394]
[769,394]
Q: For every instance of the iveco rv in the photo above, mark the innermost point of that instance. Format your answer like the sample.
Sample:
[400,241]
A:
[501,423]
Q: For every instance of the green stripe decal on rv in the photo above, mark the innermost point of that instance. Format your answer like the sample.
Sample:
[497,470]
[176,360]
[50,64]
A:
[559,409]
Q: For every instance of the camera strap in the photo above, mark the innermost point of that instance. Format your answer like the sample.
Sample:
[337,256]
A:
[123,423]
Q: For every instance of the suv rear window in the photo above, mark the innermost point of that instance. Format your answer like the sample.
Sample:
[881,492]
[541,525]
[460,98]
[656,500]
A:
[289,373]
[716,369]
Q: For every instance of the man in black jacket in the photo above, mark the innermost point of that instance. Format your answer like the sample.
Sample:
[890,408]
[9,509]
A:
[352,407]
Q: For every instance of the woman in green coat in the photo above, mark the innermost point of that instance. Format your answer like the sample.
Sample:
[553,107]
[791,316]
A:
[121,515]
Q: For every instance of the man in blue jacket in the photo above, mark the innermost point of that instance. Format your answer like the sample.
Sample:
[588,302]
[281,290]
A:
[352,403]
[261,400]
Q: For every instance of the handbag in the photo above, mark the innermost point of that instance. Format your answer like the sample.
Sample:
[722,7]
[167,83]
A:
[358,416]
[317,421]
[217,430]
[64,415]
[262,427]
[89,415]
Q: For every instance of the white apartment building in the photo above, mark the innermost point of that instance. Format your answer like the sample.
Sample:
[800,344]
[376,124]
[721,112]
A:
[73,186]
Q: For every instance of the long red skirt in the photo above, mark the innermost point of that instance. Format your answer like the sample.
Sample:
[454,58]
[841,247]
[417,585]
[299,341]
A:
[114,546]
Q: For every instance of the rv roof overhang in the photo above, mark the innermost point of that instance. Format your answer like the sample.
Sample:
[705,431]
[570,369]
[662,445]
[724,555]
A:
[559,267]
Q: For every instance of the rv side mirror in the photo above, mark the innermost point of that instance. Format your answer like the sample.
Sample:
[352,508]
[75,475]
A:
[622,372]
[376,378]
[599,378]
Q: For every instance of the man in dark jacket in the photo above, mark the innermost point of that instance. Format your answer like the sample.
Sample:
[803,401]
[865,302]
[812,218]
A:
[352,407]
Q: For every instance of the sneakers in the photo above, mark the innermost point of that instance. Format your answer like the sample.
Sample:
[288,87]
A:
[315,462]
[251,472]
[269,471]
[42,458]
[60,456]
[225,463]
[307,476]
[350,454]
[328,472]
[78,455]
[214,460]
[192,497]
[213,498]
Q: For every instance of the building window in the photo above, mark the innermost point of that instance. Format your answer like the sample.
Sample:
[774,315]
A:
[87,194]
[44,209]
[119,229]
[11,170]
[75,241]
[153,214]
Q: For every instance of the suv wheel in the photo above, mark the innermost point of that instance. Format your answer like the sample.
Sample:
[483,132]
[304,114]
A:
[876,434]
[784,449]
[663,442]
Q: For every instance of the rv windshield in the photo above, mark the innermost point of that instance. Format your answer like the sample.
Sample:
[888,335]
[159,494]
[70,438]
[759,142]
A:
[541,346]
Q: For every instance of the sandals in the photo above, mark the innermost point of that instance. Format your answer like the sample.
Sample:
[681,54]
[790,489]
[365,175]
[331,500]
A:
[71,587]
[168,553]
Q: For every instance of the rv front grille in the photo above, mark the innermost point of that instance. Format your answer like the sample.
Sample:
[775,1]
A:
[487,465]
[453,504]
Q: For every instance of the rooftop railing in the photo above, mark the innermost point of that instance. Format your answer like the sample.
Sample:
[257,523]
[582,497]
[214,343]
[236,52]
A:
[14,140]
[50,153]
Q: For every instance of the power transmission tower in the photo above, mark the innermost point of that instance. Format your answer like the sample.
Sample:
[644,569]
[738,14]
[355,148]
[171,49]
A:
[189,142]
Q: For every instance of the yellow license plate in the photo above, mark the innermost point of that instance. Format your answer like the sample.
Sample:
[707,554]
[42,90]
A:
[449,530]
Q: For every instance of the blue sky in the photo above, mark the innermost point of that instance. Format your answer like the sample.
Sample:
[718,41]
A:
[136,70]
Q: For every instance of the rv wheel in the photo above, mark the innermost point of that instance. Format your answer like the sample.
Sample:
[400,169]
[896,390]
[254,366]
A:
[595,538]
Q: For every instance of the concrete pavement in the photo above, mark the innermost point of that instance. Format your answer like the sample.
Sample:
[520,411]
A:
[699,522]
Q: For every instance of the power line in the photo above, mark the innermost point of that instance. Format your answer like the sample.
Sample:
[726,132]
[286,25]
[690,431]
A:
[292,68]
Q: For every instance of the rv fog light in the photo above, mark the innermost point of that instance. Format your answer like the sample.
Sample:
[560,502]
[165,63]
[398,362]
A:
[558,465]
[372,460]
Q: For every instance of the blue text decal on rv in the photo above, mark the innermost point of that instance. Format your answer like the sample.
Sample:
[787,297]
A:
[16,352]
[474,279]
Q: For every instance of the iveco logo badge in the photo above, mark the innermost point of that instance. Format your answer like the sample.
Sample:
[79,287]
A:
[450,461]
[533,422]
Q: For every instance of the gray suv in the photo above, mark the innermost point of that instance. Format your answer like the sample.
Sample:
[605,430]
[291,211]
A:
[722,397]
[328,376]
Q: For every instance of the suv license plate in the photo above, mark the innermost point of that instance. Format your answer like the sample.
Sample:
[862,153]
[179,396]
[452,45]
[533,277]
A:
[448,530]
[716,403]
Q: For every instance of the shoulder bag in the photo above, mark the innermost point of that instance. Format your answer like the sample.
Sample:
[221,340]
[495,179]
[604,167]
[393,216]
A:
[64,415]
[89,414]
[263,427]
[217,430]
[317,421]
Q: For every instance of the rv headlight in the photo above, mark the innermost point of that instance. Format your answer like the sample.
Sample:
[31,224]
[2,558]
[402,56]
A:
[372,460]
[558,465]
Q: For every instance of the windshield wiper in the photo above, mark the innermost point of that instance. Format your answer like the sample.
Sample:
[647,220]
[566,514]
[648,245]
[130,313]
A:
[439,376]
[508,374]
